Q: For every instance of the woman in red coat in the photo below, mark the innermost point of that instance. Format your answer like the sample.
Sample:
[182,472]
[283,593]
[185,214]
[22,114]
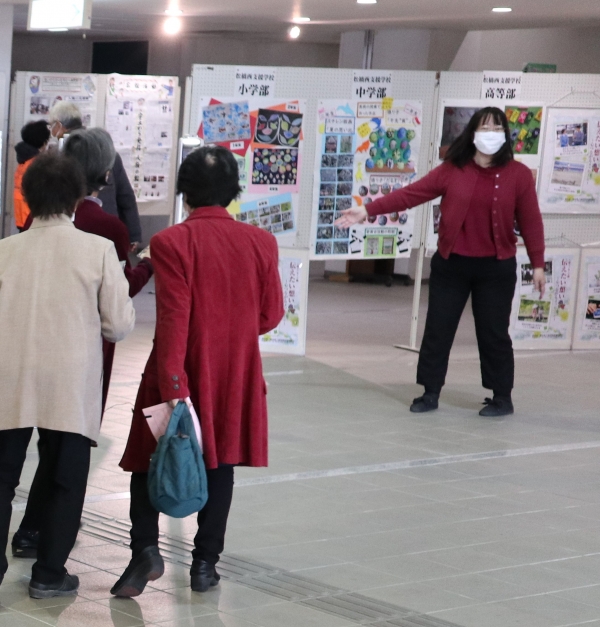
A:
[217,289]
[484,190]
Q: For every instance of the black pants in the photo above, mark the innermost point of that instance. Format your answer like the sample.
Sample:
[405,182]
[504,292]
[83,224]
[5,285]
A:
[65,458]
[212,519]
[491,285]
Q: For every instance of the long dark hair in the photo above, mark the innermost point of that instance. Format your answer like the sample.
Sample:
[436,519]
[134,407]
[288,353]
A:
[462,150]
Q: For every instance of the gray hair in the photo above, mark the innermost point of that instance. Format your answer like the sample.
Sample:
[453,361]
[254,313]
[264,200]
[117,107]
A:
[68,114]
[94,149]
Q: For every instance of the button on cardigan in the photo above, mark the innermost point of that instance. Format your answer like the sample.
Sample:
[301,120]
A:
[514,198]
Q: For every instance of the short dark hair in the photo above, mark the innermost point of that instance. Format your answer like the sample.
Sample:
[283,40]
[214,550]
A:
[462,150]
[53,185]
[93,148]
[208,177]
[35,134]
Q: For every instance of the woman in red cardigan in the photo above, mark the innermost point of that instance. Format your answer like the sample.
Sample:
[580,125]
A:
[217,289]
[483,191]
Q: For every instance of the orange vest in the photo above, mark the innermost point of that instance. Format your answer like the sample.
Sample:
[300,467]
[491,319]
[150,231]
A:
[21,209]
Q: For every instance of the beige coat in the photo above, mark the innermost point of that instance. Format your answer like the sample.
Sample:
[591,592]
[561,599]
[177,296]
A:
[61,290]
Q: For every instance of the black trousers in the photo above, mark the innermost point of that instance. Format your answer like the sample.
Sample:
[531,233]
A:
[212,519]
[491,285]
[65,458]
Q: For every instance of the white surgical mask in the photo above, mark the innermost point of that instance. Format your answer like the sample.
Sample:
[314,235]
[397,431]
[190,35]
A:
[489,142]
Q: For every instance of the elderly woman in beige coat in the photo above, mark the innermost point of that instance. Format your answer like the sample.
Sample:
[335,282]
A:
[61,291]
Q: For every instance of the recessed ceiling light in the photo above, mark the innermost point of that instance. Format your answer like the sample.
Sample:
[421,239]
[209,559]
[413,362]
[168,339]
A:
[172,25]
[366,1]
[501,9]
[174,12]
[301,20]
[294,32]
[58,30]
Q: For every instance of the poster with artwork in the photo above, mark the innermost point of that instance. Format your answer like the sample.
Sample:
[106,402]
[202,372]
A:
[525,122]
[365,150]
[545,322]
[570,180]
[587,322]
[266,136]
[44,89]
[140,113]
[290,335]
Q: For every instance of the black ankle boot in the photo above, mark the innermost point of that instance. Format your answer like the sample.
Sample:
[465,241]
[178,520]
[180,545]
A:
[25,543]
[497,406]
[427,402]
[144,567]
[203,576]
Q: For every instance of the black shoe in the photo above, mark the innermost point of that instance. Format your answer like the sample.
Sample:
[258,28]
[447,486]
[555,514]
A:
[427,402]
[145,567]
[67,587]
[25,543]
[497,406]
[203,576]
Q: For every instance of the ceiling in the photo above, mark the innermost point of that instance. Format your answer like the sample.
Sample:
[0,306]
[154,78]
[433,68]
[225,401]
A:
[329,18]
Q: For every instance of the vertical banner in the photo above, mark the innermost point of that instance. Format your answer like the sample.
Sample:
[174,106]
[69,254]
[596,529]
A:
[546,322]
[140,113]
[290,335]
[587,322]
[365,150]
[44,89]
[570,181]
[266,137]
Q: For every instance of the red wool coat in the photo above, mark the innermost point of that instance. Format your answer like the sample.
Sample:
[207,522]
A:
[217,290]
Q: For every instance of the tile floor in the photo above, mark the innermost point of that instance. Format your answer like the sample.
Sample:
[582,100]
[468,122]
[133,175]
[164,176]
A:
[367,515]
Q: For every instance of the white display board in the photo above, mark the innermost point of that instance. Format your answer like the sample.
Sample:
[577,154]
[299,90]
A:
[570,181]
[365,150]
[290,335]
[545,323]
[567,91]
[311,85]
[89,92]
[587,320]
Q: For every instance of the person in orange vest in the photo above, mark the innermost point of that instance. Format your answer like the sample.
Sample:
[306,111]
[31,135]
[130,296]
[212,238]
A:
[35,136]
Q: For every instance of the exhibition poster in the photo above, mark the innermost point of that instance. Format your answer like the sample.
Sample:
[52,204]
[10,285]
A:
[587,324]
[365,150]
[44,89]
[290,335]
[526,122]
[571,164]
[545,322]
[266,137]
[140,114]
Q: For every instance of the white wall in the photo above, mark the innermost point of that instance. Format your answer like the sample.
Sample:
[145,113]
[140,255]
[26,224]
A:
[573,50]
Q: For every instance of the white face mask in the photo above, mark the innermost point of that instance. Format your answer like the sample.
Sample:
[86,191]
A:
[489,142]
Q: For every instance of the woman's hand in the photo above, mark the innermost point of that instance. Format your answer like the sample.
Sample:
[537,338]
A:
[351,216]
[539,281]
[591,308]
